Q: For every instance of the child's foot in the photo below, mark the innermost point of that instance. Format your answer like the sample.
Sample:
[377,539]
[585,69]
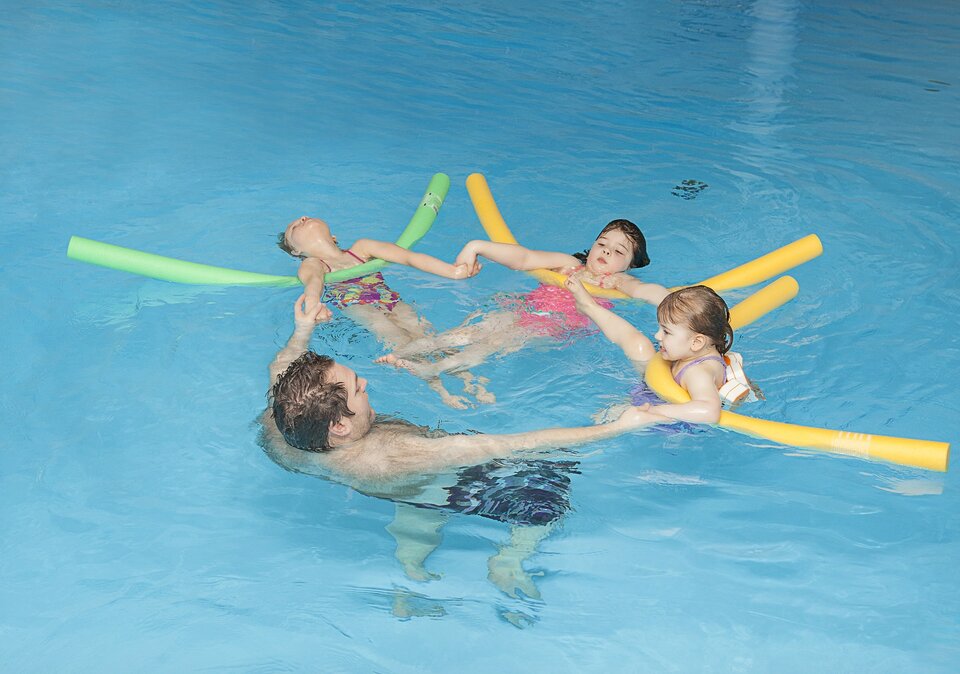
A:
[391,359]
[456,402]
[476,388]
[418,368]
[419,573]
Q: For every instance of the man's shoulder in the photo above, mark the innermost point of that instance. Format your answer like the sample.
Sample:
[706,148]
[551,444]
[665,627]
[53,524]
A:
[285,456]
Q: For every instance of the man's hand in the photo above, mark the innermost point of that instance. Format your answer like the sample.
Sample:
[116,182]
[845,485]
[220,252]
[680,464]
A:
[307,314]
[637,417]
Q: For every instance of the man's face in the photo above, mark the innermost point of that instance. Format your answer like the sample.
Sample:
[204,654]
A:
[357,400]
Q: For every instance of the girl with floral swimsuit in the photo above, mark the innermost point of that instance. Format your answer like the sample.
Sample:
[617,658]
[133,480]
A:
[368,299]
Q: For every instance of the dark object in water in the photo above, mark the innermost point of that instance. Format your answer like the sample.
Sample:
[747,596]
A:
[689,189]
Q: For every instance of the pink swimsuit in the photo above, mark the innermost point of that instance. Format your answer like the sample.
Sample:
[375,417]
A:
[550,311]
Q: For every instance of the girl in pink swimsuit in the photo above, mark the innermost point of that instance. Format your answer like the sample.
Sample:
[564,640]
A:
[368,299]
[547,311]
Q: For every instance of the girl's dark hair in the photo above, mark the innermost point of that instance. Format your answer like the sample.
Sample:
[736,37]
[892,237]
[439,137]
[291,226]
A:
[305,403]
[285,247]
[633,234]
[702,310]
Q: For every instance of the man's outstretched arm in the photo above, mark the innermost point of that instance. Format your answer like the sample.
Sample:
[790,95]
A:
[304,321]
[464,450]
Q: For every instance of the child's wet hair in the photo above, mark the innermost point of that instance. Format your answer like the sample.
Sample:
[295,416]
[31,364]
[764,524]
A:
[633,234]
[702,310]
[285,247]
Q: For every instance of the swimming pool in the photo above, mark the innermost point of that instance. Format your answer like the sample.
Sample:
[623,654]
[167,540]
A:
[144,528]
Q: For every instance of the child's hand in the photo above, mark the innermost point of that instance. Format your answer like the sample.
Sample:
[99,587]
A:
[468,256]
[463,270]
[307,314]
[579,292]
[637,417]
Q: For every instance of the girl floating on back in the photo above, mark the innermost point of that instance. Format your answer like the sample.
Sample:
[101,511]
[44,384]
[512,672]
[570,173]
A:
[368,299]
[547,311]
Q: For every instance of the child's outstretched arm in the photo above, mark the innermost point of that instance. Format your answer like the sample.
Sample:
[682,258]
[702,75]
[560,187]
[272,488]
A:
[651,293]
[311,274]
[514,256]
[367,248]
[636,345]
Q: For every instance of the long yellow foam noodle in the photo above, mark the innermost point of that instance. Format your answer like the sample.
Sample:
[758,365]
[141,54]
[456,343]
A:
[919,453]
[497,231]
[747,274]
[767,266]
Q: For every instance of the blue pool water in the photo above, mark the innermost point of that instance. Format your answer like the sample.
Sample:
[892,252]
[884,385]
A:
[143,528]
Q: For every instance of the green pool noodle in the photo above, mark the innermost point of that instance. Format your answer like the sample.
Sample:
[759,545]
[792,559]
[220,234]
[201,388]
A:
[181,271]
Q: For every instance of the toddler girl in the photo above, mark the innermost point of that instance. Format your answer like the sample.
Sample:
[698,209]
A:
[694,335]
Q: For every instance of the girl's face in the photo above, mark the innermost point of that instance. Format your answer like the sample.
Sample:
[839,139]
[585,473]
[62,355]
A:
[611,253]
[303,233]
[678,341]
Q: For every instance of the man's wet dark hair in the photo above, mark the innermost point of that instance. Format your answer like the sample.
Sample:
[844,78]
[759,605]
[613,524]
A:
[633,234]
[305,403]
[285,247]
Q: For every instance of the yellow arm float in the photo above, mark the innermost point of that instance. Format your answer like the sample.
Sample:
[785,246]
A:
[919,453]
[751,273]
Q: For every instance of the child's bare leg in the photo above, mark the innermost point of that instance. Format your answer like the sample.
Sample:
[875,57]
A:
[472,385]
[502,342]
[406,318]
[449,399]
[458,337]
[380,323]
[476,386]
[396,328]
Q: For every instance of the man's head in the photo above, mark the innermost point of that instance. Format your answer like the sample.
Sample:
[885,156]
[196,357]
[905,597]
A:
[319,403]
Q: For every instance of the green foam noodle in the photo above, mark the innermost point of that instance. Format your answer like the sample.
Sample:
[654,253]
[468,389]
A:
[182,271]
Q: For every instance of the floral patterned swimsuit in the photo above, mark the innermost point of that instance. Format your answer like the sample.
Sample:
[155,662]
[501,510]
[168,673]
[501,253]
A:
[367,289]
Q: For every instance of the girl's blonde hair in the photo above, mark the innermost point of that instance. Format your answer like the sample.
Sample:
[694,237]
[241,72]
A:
[702,310]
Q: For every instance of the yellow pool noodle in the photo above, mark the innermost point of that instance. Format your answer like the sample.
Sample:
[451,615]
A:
[905,451]
[750,273]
